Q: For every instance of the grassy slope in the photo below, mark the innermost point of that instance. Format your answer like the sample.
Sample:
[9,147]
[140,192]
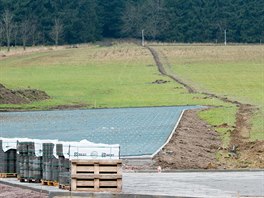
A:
[122,76]
[117,76]
[233,71]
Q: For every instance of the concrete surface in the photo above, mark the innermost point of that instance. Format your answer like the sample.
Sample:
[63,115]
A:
[196,184]
[180,184]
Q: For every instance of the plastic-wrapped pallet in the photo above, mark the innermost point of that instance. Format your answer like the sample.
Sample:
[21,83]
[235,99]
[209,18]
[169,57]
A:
[71,150]
[11,160]
[63,166]
[23,160]
[36,168]
[7,156]
[3,162]
[64,175]
[30,165]
[26,154]
[49,160]
[17,155]
[89,150]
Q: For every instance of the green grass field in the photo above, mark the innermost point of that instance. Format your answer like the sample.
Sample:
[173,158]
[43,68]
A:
[118,76]
[122,76]
[236,72]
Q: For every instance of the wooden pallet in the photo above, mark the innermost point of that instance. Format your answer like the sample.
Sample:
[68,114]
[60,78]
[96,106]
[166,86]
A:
[64,187]
[8,175]
[49,183]
[96,175]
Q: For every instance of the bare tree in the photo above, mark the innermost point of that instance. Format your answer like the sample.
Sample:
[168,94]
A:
[56,31]
[40,38]
[34,33]
[148,15]
[8,26]
[1,33]
[154,18]
[132,20]
[25,32]
[15,33]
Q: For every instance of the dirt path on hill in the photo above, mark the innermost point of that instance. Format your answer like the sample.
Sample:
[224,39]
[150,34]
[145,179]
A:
[164,72]
[241,152]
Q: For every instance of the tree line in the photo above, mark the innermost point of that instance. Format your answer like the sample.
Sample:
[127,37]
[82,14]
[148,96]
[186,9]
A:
[40,22]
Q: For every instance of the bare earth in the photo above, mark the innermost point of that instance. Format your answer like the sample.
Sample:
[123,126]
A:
[196,144]
[14,192]
[8,96]
[247,154]
[193,145]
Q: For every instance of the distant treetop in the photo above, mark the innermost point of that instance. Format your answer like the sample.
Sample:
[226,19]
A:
[37,22]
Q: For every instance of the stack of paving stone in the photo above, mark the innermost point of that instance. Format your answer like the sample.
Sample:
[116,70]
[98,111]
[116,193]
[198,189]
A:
[48,160]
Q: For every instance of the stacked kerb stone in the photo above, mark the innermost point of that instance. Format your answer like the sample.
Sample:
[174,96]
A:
[3,160]
[64,166]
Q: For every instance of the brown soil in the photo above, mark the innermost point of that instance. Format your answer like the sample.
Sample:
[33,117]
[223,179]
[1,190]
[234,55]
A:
[68,107]
[15,192]
[21,96]
[160,82]
[242,152]
[193,146]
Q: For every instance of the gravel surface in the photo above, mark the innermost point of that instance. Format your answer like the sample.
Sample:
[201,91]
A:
[14,192]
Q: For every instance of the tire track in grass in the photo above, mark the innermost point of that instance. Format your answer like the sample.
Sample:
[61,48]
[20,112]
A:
[240,136]
[164,72]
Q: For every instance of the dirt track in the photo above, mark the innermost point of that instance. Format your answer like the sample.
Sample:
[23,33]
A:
[244,154]
[164,72]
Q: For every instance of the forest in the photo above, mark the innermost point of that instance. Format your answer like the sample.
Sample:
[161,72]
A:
[44,22]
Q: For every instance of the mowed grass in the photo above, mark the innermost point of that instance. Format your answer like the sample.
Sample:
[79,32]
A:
[236,72]
[95,77]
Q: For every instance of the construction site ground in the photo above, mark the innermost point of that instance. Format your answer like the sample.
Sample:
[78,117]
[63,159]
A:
[187,149]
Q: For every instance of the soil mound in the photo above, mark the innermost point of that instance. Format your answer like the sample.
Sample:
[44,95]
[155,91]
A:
[160,82]
[21,96]
[192,147]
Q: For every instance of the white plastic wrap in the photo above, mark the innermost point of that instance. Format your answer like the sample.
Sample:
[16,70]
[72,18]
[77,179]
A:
[11,143]
[88,150]
[71,150]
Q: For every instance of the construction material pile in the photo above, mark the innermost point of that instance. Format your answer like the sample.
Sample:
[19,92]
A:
[34,160]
